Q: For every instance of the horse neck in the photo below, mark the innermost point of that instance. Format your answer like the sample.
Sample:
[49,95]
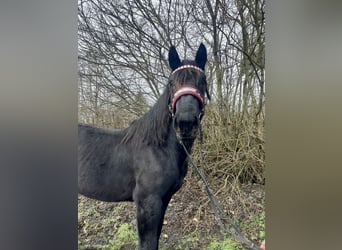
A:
[153,127]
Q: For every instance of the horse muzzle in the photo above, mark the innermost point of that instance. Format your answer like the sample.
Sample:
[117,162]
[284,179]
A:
[186,125]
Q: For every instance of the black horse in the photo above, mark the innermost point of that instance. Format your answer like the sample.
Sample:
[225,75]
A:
[145,162]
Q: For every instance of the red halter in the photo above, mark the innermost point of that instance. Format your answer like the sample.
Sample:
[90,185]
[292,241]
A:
[186,89]
[186,66]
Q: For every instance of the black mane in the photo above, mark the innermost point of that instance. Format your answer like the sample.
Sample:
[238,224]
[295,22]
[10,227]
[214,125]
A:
[153,127]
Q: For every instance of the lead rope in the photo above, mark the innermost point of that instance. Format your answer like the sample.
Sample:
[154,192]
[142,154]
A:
[215,205]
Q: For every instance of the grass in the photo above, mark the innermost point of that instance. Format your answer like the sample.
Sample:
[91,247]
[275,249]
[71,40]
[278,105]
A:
[126,238]
[255,226]
[226,244]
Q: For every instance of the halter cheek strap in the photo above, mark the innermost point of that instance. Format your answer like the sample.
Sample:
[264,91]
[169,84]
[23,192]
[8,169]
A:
[186,89]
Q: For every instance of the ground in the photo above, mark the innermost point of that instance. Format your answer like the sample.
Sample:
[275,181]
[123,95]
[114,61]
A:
[189,221]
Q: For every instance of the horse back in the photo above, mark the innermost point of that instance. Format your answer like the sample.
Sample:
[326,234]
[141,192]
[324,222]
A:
[105,170]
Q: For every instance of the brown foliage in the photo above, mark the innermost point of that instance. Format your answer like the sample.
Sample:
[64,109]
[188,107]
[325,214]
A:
[232,148]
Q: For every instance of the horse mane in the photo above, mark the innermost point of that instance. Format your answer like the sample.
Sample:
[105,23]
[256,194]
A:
[153,127]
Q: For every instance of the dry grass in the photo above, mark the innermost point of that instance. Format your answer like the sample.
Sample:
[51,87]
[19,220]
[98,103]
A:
[232,149]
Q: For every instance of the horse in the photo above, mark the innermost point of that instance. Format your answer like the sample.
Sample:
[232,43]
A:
[146,163]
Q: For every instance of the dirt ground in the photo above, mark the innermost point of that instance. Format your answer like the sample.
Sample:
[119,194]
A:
[189,221]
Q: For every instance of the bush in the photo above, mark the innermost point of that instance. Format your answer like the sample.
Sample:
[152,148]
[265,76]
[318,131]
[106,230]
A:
[233,147]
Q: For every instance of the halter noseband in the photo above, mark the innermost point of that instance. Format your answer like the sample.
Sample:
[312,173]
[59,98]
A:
[186,89]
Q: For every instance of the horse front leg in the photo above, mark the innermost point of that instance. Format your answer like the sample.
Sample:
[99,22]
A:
[150,215]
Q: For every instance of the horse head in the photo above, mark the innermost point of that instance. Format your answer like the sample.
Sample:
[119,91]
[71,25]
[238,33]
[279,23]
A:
[188,87]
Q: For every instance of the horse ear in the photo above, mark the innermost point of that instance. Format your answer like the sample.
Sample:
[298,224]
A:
[201,56]
[174,60]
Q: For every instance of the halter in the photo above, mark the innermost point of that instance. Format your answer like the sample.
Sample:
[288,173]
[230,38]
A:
[186,89]
[187,66]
